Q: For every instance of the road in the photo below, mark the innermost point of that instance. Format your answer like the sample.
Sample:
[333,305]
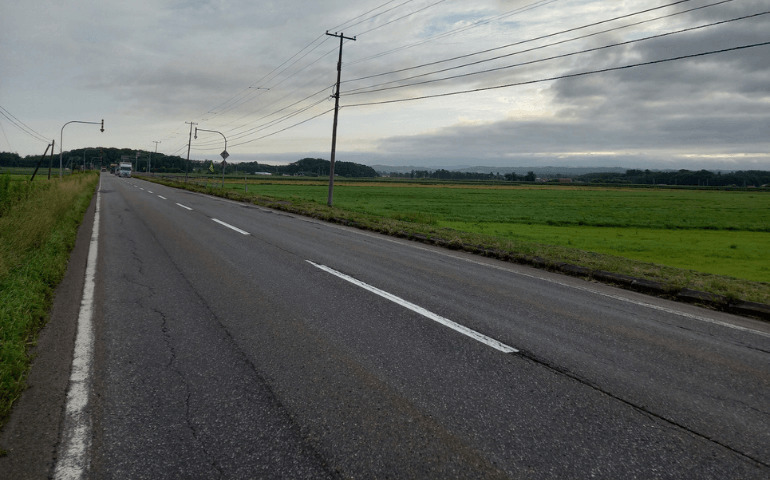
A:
[233,341]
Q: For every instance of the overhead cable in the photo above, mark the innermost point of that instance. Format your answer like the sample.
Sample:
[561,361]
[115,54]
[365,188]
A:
[485,21]
[565,76]
[21,125]
[543,37]
[365,90]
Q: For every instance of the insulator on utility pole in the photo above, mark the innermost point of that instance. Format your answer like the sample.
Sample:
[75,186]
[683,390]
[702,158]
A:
[336,114]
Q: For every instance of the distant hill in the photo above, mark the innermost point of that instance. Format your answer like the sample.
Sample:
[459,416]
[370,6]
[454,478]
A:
[540,171]
[320,167]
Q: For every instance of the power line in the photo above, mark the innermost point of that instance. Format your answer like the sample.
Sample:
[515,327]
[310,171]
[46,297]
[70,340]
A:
[289,94]
[565,76]
[246,96]
[279,69]
[347,25]
[287,128]
[400,18]
[21,125]
[365,90]
[267,125]
[273,122]
[543,37]
[531,6]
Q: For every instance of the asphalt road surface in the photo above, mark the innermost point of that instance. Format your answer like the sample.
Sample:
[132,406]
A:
[233,341]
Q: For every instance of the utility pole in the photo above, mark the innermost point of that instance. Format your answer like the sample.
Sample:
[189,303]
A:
[336,113]
[50,159]
[189,141]
[156,142]
[40,161]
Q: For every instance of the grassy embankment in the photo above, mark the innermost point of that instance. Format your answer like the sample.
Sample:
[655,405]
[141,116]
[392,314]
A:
[715,241]
[38,225]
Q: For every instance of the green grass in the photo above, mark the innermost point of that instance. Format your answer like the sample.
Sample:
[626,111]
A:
[736,254]
[717,241]
[718,232]
[38,225]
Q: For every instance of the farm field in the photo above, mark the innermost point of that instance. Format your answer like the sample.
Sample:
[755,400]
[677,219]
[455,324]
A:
[709,231]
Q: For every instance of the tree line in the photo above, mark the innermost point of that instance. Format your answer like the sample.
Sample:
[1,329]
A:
[443,174]
[700,178]
[161,163]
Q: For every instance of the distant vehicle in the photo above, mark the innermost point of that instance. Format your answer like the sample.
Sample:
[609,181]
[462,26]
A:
[124,169]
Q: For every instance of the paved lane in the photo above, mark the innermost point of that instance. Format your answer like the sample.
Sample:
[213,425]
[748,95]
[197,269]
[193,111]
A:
[223,350]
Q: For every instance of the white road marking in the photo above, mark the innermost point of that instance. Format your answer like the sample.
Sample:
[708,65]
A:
[426,313]
[184,206]
[75,442]
[506,268]
[231,227]
[639,303]
[161,196]
[150,191]
[620,298]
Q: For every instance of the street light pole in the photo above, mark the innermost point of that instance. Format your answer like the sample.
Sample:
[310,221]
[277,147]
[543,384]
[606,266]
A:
[61,138]
[224,154]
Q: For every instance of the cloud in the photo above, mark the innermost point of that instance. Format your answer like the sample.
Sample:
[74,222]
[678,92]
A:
[148,67]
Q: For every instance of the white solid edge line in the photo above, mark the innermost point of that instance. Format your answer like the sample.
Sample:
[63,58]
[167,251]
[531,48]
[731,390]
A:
[640,303]
[620,298]
[184,206]
[417,309]
[75,441]
[242,232]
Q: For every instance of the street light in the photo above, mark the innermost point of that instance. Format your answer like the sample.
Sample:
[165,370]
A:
[61,140]
[224,153]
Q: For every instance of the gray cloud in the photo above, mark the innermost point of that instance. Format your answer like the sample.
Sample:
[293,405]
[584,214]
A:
[148,67]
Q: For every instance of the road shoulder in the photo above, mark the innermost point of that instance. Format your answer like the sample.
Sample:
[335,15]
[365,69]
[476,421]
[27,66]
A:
[31,435]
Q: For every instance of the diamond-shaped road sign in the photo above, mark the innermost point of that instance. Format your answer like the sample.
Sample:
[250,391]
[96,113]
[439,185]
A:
[224,154]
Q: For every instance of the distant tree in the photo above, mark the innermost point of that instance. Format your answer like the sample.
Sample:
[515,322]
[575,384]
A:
[530,176]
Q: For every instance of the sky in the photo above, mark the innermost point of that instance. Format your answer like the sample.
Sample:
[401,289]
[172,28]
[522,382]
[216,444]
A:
[659,84]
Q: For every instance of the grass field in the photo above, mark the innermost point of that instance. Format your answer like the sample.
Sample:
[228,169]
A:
[38,225]
[710,231]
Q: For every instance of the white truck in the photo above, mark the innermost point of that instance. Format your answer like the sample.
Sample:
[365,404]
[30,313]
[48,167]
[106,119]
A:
[124,169]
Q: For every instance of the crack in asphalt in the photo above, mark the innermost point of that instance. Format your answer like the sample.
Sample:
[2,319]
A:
[171,365]
[641,408]
[274,399]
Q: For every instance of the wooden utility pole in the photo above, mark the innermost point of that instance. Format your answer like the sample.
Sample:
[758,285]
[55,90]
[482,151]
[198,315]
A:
[336,113]
[40,161]
[50,159]
[156,142]
[189,141]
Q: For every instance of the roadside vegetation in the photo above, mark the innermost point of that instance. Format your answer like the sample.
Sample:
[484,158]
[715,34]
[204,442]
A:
[38,226]
[712,241]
